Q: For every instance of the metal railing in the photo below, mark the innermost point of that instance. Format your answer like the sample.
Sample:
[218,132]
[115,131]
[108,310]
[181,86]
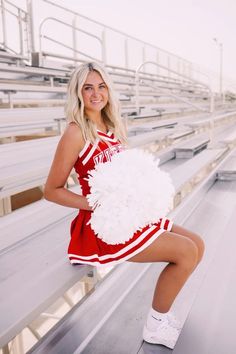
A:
[161,56]
[10,11]
[74,30]
[195,82]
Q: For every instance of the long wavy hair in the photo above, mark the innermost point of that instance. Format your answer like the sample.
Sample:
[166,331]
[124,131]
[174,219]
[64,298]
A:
[75,106]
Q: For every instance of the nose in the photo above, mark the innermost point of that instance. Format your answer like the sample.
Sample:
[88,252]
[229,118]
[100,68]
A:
[95,92]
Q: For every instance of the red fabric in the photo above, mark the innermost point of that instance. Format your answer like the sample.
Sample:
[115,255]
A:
[84,246]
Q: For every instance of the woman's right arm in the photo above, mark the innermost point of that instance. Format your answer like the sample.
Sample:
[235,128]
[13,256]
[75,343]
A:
[68,149]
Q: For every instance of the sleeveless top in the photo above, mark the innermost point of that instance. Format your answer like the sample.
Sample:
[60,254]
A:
[84,246]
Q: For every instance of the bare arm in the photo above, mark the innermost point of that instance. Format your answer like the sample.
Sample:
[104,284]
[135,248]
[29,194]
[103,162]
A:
[68,149]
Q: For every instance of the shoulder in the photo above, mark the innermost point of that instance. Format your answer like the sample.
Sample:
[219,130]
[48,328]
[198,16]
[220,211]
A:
[73,137]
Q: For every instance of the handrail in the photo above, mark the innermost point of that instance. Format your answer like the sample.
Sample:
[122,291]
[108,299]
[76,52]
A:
[115,30]
[22,17]
[41,35]
[175,72]
[211,94]
[68,47]
[179,98]
[13,5]
[161,53]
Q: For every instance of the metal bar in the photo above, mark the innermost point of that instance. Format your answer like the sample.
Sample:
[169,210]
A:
[126,54]
[112,29]
[4,32]
[104,49]
[137,91]
[144,57]
[20,32]
[30,22]
[68,25]
[68,47]
[13,5]
[41,36]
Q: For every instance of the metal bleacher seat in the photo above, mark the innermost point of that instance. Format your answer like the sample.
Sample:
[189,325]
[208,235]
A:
[191,147]
[228,169]
[111,319]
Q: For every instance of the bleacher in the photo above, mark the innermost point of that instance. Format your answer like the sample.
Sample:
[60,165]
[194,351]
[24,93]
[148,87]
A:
[49,306]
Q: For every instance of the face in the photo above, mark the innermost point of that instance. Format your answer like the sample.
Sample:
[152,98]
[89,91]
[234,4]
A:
[94,93]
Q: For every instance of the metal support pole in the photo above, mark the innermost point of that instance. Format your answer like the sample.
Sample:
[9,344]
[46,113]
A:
[31,23]
[221,72]
[137,92]
[21,32]
[126,54]
[4,31]
[104,51]
[220,45]
[168,66]
[144,57]
[157,60]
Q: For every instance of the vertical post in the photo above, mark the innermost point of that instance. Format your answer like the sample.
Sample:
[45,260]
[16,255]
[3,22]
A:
[126,54]
[168,65]
[220,45]
[221,72]
[104,49]
[179,68]
[74,39]
[144,57]
[157,60]
[30,26]
[4,31]
[21,33]
[137,91]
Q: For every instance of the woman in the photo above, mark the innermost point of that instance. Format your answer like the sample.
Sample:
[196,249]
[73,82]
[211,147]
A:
[94,133]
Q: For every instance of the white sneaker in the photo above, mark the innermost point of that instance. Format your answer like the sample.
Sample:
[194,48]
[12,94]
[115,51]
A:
[173,321]
[164,334]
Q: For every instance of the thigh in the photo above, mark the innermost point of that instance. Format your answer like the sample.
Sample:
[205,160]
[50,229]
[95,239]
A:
[165,248]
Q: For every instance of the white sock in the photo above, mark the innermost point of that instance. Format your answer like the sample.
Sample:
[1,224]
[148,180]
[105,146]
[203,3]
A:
[154,318]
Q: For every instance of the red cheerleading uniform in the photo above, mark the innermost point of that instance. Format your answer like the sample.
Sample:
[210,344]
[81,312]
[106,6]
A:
[85,247]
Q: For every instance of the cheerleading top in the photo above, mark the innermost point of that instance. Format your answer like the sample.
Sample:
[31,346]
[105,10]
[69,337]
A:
[84,246]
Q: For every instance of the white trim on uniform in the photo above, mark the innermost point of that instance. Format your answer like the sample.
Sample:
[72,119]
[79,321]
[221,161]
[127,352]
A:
[90,152]
[114,140]
[123,250]
[84,148]
[96,263]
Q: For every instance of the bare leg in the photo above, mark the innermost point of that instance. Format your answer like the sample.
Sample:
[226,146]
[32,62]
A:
[176,229]
[182,253]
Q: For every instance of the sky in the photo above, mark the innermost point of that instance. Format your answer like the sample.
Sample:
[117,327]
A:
[183,27]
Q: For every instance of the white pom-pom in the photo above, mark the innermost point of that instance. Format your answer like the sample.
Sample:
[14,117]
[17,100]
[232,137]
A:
[128,193]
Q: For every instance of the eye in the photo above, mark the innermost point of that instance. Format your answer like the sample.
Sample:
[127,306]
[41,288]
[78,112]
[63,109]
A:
[103,86]
[87,88]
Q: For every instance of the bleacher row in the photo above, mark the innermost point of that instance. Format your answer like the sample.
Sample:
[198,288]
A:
[197,149]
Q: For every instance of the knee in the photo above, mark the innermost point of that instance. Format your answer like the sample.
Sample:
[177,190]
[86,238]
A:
[189,256]
[201,248]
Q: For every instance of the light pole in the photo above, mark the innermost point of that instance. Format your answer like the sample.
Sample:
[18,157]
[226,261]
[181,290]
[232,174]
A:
[220,45]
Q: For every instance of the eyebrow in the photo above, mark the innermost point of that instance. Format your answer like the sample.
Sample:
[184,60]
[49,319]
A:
[101,83]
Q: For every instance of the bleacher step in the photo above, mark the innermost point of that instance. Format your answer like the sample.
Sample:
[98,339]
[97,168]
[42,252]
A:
[210,325]
[227,172]
[191,147]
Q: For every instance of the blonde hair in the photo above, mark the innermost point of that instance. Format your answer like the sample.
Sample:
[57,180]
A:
[75,106]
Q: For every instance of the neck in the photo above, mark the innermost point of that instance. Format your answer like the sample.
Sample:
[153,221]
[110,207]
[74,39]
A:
[96,118]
